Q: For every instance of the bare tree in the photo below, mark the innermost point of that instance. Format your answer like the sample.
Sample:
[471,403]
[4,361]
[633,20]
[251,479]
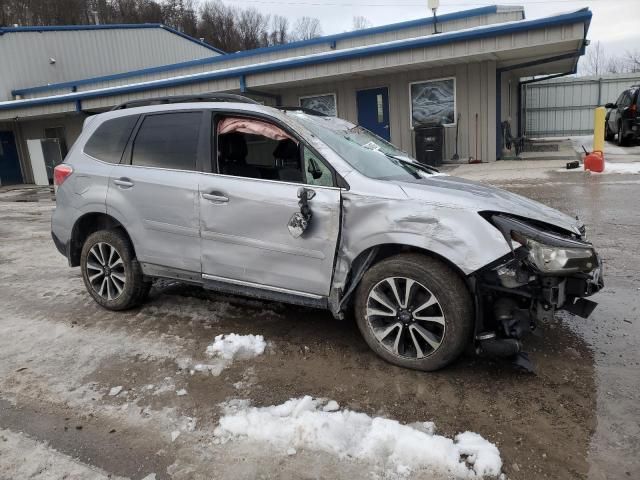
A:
[594,60]
[306,28]
[360,23]
[632,60]
[279,30]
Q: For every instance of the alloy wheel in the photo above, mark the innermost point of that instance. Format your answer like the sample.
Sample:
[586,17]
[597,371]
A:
[405,317]
[106,271]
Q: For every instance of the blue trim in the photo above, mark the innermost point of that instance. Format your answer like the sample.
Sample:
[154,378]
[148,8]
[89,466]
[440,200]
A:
[433,40]
[114,26]
[330,39]
[243,84]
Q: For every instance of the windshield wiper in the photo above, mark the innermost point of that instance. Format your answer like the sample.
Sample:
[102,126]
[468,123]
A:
[420,166]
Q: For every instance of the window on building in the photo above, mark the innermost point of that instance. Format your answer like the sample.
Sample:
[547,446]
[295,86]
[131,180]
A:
[57,133]
[433,102]
[253,148]
[110,139]
[168,140]
[325,103]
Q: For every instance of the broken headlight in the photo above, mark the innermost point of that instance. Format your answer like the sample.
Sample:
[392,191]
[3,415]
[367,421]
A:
[548,252]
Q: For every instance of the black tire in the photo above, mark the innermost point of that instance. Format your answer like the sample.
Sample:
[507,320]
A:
[454,302]
[608,134]
[621,140]
[134,289]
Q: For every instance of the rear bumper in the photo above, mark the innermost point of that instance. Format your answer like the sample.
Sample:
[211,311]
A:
[62,247]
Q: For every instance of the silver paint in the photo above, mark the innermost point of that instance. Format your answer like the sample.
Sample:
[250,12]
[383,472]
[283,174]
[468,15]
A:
[237,228]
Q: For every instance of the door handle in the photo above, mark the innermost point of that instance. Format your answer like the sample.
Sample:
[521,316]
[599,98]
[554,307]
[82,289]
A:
[123,182]
[215,197]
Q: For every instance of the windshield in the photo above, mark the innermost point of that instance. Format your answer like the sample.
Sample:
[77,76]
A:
[366,152]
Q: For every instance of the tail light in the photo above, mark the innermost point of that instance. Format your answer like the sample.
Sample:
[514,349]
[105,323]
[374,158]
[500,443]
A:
[633,108]
[61,173]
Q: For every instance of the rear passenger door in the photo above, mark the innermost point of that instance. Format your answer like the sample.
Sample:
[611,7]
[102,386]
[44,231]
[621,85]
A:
[154,190]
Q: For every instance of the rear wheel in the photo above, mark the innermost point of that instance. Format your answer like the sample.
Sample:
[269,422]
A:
[621,139]
[111,273]
[414,311]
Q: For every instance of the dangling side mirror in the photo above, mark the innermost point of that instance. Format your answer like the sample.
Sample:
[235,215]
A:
[299,221]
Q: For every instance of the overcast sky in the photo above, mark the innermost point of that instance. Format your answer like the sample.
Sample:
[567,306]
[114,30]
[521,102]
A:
[616,23]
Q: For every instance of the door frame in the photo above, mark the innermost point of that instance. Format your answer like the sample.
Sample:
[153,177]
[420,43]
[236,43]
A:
[388,103]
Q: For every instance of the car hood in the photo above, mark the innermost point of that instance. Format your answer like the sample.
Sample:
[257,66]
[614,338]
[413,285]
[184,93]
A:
[458,192]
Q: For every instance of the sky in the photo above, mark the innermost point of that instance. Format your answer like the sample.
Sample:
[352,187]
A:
[616,23]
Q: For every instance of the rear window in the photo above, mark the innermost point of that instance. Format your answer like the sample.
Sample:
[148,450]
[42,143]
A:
[109,140]
[168,140]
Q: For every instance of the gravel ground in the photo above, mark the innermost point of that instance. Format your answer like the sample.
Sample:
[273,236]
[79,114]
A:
[61,354]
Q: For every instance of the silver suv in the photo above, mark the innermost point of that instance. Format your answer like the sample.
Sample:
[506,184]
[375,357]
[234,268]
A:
[289,205]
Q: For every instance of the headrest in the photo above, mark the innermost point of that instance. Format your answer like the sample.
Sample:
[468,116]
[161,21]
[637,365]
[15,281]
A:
[287,150]
[233,146]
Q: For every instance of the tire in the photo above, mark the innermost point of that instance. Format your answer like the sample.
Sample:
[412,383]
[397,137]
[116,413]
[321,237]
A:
[621,139]
[110,252]
[437,292]
[608,134]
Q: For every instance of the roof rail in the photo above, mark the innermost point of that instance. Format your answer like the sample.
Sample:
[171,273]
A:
[308,111]
[203,97]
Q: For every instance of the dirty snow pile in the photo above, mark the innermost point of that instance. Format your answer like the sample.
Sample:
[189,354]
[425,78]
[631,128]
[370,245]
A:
[318,425]
[227,348]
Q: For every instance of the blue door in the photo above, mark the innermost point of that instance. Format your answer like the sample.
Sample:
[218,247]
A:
[9,163]
[373,111]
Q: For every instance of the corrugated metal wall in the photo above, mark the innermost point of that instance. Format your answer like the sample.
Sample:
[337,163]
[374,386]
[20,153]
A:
[564,106]
[76,54]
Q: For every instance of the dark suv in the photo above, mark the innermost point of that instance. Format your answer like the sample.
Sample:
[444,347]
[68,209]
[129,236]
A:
[623,117]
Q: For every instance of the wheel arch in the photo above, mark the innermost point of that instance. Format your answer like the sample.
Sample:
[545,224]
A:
[373,254]
[86,225]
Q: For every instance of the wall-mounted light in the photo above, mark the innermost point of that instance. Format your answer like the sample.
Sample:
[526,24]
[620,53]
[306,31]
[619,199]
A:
[52,60]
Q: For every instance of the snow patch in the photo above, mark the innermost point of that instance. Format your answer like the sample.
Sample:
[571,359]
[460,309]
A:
[115,391]
[233,346]
[182,392]
[303,423]
[225,349]
[610,167]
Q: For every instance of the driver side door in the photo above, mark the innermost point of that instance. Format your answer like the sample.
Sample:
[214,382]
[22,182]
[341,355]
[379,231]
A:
[244,217]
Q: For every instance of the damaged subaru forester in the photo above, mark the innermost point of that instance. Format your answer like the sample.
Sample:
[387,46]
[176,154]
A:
[289,205]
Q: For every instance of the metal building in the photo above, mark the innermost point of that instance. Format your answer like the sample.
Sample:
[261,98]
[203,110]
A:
[462,72]
[564,106]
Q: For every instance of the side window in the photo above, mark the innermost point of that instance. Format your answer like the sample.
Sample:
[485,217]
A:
[109,140]
[254,148]
[168,140]
[316,170]
[626,100]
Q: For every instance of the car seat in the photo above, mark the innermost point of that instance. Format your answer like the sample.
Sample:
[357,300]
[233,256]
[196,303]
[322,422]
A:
[233,156]
[287,155]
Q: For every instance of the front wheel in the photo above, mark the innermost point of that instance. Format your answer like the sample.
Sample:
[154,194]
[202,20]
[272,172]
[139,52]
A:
[414,311]
[111,272]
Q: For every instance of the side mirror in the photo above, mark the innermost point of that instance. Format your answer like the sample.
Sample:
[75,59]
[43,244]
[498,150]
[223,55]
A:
[610,105]
[313,169]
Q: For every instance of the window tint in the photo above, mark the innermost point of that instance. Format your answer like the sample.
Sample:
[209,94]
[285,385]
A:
[168,140]
[626,100]
[109,140]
